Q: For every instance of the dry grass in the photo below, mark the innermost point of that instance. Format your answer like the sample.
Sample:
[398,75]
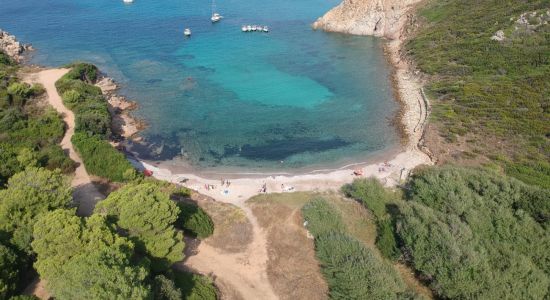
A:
[292,268]
[232,229]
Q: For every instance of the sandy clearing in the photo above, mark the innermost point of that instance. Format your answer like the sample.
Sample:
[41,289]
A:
[85,194]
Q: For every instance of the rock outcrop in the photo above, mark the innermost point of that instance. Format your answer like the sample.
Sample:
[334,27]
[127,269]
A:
[10,45]
[383,18]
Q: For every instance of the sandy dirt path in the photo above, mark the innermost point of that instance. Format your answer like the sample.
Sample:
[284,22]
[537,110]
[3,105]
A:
[245,272]
[85,194]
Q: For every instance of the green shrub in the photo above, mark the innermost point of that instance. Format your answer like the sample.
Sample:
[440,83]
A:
[53,157]
[371,193]
[475,233]
[195,220]
[71,98]
[195,287]
[353,271]
[101,159]
[385,239]
[165,289]
[10,268]
[322,218]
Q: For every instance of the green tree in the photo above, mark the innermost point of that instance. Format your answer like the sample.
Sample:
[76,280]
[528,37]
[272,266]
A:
[85,258]
[195,220]
[165,289]
[147,215]
[29,194]
[9,271]
[101,274]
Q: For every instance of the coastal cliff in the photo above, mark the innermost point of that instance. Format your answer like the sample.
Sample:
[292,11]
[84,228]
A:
[382,18]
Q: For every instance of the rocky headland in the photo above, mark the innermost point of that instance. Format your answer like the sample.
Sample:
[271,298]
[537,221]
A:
[12,47]
[382,18]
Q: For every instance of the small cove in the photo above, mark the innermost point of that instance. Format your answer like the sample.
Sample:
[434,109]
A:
[287,100]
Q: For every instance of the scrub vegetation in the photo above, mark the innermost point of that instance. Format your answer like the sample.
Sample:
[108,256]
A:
[342,257]
[469,233]
[29,132]
[92,124]
[492,95]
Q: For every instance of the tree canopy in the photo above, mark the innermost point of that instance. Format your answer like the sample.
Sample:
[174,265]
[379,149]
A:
[29,194]
[147,215]
[9,271]
[85,258]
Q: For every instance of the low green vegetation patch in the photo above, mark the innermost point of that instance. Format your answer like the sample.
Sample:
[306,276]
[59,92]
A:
[351,270]
[29,133]
[195,220]
[101,159]
[379,201]
[194,286]
[490,67]
[476,234]
[85,100]
[92,124]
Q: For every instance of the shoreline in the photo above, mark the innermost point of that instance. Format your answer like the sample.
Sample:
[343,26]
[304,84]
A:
[413,116]
[391,166]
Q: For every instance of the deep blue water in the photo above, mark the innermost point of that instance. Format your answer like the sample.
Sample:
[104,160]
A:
[223,98]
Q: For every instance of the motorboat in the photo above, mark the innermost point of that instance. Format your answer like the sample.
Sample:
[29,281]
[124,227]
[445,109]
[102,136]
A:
[265,29]
[128,1]
[187,32]
[244,28]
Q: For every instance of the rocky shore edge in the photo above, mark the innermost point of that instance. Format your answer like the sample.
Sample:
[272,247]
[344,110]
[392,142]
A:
[393,20]
[124,124]
[12,47]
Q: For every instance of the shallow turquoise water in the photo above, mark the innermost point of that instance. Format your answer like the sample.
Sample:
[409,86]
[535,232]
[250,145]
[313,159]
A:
[223,98]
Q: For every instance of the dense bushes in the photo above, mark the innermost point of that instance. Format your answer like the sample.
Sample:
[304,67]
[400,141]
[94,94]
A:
[26,128]
[147,215]
[85,100]
[28,195]
[9,271]
[476,235]
[351,270]
[195,220]
[377,199]
[195,287]
[101,159]
[492,94]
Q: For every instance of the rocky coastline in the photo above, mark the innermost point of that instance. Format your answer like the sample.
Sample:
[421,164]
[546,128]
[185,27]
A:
[123,123]
[381,18]
[12,47]
[393,20]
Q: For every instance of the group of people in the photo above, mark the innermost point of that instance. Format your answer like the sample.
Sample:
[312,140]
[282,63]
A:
[225,182]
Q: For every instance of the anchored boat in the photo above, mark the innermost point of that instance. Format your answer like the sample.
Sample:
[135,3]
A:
[215,16]
[187,32]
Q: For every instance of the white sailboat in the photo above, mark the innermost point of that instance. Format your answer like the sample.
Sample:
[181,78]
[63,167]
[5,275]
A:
[215,16]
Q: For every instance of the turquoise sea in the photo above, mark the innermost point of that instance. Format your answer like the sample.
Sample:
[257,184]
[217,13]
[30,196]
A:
[289,99]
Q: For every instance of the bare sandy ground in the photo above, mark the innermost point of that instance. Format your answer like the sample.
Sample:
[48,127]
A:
[85,193]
